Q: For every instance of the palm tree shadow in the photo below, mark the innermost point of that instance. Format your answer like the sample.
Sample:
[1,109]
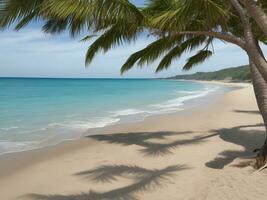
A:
[151,148]
[159,149]
[143,180]
[245,136]
[255,112]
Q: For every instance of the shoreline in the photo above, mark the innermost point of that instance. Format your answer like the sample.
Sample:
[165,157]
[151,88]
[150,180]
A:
[233,86]
[156,142]
[185,108]
[95,131]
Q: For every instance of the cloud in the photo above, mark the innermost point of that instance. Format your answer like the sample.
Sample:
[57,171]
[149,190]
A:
[32,53]
[12,37]
[34,42]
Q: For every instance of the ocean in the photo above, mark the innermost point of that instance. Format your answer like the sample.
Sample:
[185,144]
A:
[36,112]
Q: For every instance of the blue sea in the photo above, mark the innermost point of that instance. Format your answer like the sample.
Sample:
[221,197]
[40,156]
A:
[39,112]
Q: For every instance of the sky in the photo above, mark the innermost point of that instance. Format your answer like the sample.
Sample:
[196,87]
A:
[31,53]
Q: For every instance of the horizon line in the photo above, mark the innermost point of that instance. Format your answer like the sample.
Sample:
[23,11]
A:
[40,77]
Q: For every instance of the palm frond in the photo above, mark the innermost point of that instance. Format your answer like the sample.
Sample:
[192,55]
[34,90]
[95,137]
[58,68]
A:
[1,4]
[157,48]
[22,12]
[131,61]
[176,52]
[191,15]
[116,35]
[119,21]
[77,16]
[93,14]
[200,57]
[87,38]
[152,51]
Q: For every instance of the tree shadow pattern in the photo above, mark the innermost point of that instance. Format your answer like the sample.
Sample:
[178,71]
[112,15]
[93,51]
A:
[143,180]
[149,179]
[248,139]
[151,148]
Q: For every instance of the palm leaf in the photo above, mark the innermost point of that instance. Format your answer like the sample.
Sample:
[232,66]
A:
[18,11]
[192,15]
[119,21]
[78,16]
[131,61]
[176,52]
[87,38]
[200,57]
[152,51]
[94,14]
[116,35]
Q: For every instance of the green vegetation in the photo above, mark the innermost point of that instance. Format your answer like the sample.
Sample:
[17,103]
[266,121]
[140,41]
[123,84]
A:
[234,74]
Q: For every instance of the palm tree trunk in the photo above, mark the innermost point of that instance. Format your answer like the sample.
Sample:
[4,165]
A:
[260,89]
[257,13]
[251,46]
[257,57]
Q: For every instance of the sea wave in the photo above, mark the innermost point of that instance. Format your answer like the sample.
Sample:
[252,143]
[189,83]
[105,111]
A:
[127,112]
[71,131]
[84,125]
[11,146]
[167,106]
[72,127]
[177,104]
[9,128]
[186,92]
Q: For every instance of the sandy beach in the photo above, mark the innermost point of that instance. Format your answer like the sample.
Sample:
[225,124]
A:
[203,153]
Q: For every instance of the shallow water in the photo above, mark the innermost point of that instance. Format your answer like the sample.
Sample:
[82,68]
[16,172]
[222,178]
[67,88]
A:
[35,112]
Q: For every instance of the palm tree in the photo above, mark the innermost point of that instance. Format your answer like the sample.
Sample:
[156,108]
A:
[179,26]
[256,10]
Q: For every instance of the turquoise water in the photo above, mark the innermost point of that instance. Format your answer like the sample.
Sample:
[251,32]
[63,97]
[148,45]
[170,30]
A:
[37,112]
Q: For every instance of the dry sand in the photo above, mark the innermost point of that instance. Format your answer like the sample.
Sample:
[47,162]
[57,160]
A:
[199,154]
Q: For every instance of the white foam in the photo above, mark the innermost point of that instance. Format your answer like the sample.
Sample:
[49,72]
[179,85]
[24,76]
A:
[84,125]
[11,146]
[71,130]
[9,128]
[167,106]
[176,104]
[127,112]
[186,92]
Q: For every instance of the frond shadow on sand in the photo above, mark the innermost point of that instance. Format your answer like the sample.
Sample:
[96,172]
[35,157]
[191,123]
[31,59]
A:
[143,180]
[149,148]
[250,137]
